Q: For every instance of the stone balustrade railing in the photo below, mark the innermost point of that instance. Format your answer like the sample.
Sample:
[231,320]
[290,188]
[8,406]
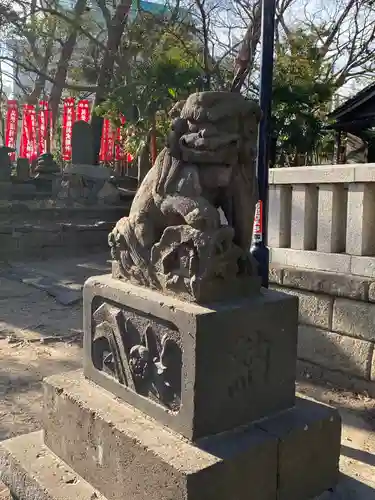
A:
[323,217]
[321,233]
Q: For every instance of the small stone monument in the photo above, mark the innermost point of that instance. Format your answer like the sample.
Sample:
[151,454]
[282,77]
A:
[188,386]
[47,174]
[82,181]
[82,144]
[46,166]
[23,169]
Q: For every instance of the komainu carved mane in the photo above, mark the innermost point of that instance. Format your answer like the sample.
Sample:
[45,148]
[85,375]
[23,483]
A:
[172,239]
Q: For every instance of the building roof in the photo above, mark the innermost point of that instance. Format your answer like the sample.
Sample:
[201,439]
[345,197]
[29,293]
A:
[357,107]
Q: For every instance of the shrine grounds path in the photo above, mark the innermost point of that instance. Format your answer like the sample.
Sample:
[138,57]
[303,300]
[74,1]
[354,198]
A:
[40,336]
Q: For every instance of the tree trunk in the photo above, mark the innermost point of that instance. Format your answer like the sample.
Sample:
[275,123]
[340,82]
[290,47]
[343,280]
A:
[115,32]
[153,147]
[41,79]
[144,164]
[246,55]
[63,64]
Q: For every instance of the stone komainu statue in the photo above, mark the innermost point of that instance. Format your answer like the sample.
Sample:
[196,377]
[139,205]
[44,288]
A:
[173,239]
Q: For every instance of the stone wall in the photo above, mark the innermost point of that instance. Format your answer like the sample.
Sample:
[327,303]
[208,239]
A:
[30,232]
[28,241]
[337,325]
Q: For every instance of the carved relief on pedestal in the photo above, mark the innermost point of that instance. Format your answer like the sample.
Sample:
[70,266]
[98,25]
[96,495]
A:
[140,352]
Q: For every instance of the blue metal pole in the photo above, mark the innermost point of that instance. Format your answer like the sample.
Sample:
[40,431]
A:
[259,247]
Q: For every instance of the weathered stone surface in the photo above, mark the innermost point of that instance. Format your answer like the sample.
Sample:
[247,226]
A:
[214,367]
[340,285]
[308,451]
[331,224]
[117,449]
[353,318]
[30,241]
[82,143]
[332,262]
[32,471]
[93,172]
[371,292]
[275,274]
[304,216]
[362,266]
[361,205]
[313,309]
[323,174]
[172,240]
[279,216]
[335,351]
[46,166]
[23,169]
[372,368]
[5,163]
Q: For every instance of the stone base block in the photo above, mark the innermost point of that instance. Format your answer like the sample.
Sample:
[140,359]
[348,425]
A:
[95,445]
[124,454]
[309,437]
[205,368]
[32,472]
[291,456]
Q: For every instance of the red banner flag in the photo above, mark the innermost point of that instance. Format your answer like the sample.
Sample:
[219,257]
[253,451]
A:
[108,140]
[120,154]
[28,147]
[43,126]
[11,127]
[83,110]
[67,128]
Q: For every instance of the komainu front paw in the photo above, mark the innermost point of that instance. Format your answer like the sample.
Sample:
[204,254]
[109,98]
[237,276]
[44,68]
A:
[203,218]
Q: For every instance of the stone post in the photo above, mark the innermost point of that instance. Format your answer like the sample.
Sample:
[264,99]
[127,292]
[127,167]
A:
[331,218]
[360,233]
[279,216]
[304,216]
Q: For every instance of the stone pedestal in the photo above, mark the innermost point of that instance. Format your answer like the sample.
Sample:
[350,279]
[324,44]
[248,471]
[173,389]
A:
[225,365]
[88,184]
[204,408]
